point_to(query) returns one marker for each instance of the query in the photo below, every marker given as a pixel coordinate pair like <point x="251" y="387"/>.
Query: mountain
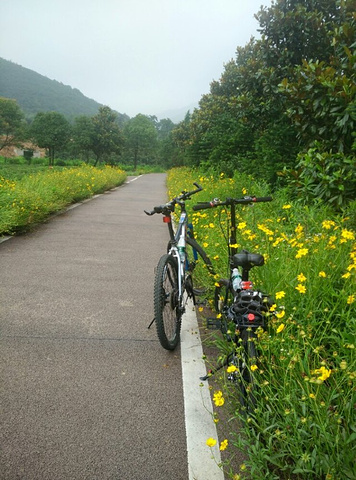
<point x="36" y="93"/>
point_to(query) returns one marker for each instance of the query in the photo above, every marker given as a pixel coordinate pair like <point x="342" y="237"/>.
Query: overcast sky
<point x="136" y="56"/>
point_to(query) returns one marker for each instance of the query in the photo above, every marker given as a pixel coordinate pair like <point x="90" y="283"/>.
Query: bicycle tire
<point x="247" y="382"/>
<point x="168" y="312"/>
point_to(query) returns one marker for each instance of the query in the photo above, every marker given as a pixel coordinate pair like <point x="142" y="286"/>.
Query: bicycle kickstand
<point x="212" y="372"/>
<point x="150" y="325"/>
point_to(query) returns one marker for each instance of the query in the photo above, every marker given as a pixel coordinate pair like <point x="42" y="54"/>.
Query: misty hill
<point x="37" y="93"/>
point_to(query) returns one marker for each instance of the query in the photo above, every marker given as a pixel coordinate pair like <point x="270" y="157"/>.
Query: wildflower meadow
<point x="304" y="424"/>
<point x="30" y="199"/>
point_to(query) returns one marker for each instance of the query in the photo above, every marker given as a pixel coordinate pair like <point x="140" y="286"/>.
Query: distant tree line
<point x="283" y="110"/>
<point x="98" y="138"/>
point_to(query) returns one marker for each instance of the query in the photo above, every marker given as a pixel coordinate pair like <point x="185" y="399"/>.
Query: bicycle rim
<point x="166" y="303"/>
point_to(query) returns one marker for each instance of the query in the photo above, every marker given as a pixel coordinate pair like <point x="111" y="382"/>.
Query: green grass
<point x="304" y="424"/>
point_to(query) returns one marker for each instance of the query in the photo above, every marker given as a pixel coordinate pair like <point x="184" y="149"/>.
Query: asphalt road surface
<point x="87" y="392"/>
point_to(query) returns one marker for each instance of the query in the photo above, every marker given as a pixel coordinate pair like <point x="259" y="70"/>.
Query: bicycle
<point x="241" y="308"/>
<point x="173" y="284"/>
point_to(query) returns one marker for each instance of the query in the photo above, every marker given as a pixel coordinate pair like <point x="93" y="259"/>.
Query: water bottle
<point x="236" y="280"/>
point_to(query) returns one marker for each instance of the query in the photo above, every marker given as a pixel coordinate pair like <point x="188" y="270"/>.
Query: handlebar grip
<point x="262" y="199"/>
<point x="203" y="206"/>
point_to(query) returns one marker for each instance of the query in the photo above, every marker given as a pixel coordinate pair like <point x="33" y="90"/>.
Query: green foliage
<point x="50" y="130"/>
<point x="141" y="138"/>
<point x="294" y="86"/>
<point x="12" y="125"/>
<point x="304" y="425"/>
<point x="323" y="177"/>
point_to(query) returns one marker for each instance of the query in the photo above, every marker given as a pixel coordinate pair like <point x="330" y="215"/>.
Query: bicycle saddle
<point x="248" y="260"/>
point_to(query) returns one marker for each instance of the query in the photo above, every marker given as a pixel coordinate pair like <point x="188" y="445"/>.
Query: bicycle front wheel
<point x="167" y="308"/>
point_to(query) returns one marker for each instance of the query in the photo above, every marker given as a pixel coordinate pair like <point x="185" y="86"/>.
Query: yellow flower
<point x="350" y="299"/>
<point x="231" y="369"/>
<point x="311" y="395"/>
<point x="301" y="278"/>
<point x="322" y="274"/>
<point x="280" y="314"/>
<point x="224" y="444"/>
<point x="211" y="225"/>
<point x="254" y="367"/>
<point x="241" y="225"/>
<point x="286" y="207"/>
<point x="327" y="224"/>
<point x="323" y="372"/>
<point x="205" y="244"/>
<point x="244" y="191"/>
<point x="218" y="399"/>
<point x="299" y="229"/>
<point x="343" y="365"/>
<point x="280" y="328"/>
<point x="301" y="288"/>
<point x="347" y="234"/>
<point x="302" y="252"/>
<point x="211" y="442"/>
<point x="280" y="294"/>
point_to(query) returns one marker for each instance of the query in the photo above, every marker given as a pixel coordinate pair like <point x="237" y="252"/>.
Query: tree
<point x="12" y="124"/>
<point x="83" y="134"/>
<point x="106" y="137"/>
<point x="141" y="138"/>
<point x="50" y="130"/>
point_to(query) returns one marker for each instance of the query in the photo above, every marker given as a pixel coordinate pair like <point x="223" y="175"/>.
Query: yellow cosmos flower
<point x="280" y="314"/>
<point x="254" y="367"/>
<point x="347" y="234"/>
<point x="327" y="224"/>
<point x="218" y="399"/>
<point x="350" y="299"/>
<point x="322" y="274"/>
<point x="231" y="369"/>
<point x="280" y="328"/>
<point x="323" y="372"/>
<point x="224" y="444"/>
<point x="311" y="395"/>
<point x="302" y="252"/>
<point x="286" y="207"/>
<point x="280" y="294"/>
<point x="301" y="278"/>
<point x="211" y="442"/>
<point x="241" y="225"/>
<point x="301" y="288"/>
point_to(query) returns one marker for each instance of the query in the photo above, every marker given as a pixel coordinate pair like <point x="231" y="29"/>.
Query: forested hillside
<point x="35" y="93"/>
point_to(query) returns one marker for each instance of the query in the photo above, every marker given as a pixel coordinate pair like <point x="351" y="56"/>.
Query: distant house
<point x="12" y="151"/>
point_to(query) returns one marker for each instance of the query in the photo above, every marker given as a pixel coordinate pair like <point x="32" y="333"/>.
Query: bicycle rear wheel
<point x="247" y="383"/>
<point x="167" y="309"/>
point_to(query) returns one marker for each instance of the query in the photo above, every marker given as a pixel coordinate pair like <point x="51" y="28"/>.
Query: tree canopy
<point x="12" y="124"/>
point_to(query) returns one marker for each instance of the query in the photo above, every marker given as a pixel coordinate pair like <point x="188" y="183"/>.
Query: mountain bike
<point x="242" y="309"/>
<point x="173" y="284"/>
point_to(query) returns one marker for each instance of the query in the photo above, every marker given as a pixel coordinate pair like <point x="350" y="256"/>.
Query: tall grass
<point x="304" y="425"/>
<point x="32" y="198"/>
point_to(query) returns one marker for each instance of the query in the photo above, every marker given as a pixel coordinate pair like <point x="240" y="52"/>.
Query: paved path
<point x="87" y="391"/>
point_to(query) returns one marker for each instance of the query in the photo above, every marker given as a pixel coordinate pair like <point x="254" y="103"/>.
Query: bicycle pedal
<point x="199" y="291"/>
<point x="213" y="323"/>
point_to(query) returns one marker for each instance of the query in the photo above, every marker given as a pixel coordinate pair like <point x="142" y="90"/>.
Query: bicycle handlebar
<point x="169" y="206"/>
<point x="231" y="201"/>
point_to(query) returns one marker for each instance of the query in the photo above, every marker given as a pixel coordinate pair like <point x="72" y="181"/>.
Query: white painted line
<point x="4" y="238"/>
<point x="133" y="179"/>
<point x="199" y="424"/>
